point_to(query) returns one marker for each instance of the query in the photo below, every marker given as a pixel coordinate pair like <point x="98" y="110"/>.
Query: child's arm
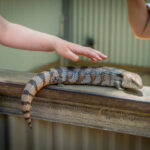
<point x="20" y="37"/>
<point x="139" y="18"/>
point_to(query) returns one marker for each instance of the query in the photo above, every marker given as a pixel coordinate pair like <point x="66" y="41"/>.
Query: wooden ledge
<point x="90" y="106"/>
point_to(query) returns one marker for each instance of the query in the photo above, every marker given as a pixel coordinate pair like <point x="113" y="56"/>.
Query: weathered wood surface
<point x="96" y="107"/>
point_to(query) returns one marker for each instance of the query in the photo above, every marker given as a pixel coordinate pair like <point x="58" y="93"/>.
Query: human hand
<point x="20" y="37"/>
<point x="72" y="51"/>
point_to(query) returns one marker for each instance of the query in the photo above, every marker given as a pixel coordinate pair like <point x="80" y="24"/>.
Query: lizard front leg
<point x="117" y="85"/>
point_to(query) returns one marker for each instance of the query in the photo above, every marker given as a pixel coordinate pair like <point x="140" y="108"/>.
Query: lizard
<point x="98" y="76"/>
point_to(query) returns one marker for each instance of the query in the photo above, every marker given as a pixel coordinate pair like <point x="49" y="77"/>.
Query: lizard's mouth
<point x="131" y="85"/>
<point x="139" y="84"/>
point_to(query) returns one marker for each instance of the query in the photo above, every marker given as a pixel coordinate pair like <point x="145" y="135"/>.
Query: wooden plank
<point x="95" y="107"/>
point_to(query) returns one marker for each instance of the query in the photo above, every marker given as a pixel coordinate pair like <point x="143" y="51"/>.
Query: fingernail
<point x="100" y="58"/>
<point x="76" y="58"/>
<point x="94" y="59"/>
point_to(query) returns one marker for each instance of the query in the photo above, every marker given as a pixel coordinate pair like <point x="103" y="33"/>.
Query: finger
<point x="93" y="59"/>
<point x="101" y="54"/>
<point x="70" y="55"/>
<point x="86" y="51"/>
<point x="93" y="55"/>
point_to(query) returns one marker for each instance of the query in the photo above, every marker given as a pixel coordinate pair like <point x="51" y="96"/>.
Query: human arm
<point x="20" y="37"/>
<point x="139" y="18"/>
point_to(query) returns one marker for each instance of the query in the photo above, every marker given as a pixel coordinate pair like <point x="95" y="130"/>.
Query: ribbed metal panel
<point x="15" y="135"/>
<point x="107" y="23"/>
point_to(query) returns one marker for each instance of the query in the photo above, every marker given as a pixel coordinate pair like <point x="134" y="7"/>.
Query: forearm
<point x="138" y="15"/>
<point x="18" y="36"/>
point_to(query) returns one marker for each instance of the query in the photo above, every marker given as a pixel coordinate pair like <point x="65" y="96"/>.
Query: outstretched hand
<point x="20" y="37"/>
<point x="72" y="51"/>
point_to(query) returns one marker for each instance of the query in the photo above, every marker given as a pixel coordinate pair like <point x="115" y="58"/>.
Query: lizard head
<point x="131" y="81"/>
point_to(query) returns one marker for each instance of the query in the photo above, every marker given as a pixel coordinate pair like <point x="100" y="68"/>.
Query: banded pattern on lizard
<point x="102" y="76"/>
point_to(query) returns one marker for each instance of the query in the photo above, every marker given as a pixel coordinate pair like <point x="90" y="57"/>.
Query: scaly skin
<point x="102" y="76"/>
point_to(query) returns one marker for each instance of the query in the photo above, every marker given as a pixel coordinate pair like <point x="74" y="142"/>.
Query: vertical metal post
<point x="66" y="14"/>
<point x="66" y="25"/>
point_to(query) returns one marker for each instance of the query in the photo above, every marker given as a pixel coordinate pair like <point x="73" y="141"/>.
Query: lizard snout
<point x="132" y="81"/>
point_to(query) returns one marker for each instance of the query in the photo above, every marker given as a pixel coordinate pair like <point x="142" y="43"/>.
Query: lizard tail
<point x="32" y="87"/>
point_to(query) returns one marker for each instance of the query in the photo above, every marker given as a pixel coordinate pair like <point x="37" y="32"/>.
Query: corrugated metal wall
<point x="106" y="22"/>
<point x="54" y="136"/>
